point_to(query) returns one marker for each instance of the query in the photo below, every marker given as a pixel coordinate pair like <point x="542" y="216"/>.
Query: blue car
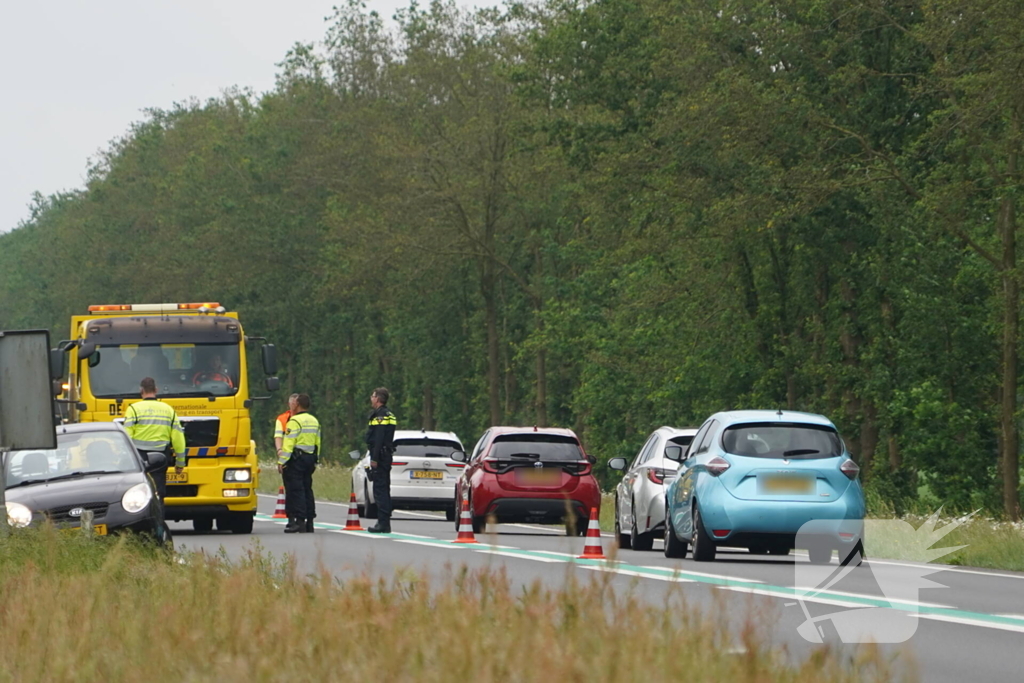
<point x="755" y="478"/>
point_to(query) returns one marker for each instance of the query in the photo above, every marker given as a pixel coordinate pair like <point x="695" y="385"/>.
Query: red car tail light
<point x="395" y="463"/>
<point x="850" y="469"/>
<point x="717" y="465"/>
<point x="488" y="466"/>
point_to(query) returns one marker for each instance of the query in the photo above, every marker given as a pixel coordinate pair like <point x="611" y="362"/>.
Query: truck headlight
<point x="238" y="475"/>
<point x="136" y="498"/>
<point x="18" y="515"/>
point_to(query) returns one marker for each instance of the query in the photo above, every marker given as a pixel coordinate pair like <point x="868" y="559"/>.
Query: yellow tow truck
<point x="196" y="352"/>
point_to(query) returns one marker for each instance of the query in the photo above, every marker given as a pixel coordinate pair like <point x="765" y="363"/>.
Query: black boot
<point x="293" y="526"/>
<point x="380" y="528"/>
<point x="309" y="525"/>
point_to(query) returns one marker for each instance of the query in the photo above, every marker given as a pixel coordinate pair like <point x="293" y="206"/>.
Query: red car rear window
<point x="533" y="447"/>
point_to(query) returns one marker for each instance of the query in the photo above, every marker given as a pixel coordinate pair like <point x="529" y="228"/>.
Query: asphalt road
<point x="967" y="625"/>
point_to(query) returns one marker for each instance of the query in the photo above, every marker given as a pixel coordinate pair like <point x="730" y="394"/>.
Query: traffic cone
<point x="279" y="512"/>
<point x="465" y="524"/>
<point x="592" y="548"/>
<point x="352" y="523"/>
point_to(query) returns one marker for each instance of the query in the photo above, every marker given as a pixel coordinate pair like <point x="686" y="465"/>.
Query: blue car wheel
<point x="703" y="548"/>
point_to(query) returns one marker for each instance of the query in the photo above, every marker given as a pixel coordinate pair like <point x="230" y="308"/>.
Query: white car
<point x="423" y="475"/>
<point x="640" y="496"/>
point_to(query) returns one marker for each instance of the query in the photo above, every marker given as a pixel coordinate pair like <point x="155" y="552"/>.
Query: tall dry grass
<point x="112" y="610"/>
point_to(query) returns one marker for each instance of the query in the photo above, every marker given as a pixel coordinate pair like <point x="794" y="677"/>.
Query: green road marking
<point x="1005" y="622"/>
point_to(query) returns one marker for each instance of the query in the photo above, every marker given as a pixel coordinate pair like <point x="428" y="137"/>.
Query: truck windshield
<point x="178" y="369"/>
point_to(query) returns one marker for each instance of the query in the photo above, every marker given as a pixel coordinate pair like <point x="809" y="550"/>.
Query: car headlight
<point x="18" y="515"/>
<point x="238" y="475"/>
<point x="136" y="498"/>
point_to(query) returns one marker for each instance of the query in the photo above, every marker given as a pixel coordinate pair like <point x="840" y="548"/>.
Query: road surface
<point x="972" y="628"/>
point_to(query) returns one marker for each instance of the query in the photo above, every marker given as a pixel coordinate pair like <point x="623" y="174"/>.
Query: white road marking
<point x="519" y="556"/>
<point x="917" y="603"/>
<point x="710" y="576"/>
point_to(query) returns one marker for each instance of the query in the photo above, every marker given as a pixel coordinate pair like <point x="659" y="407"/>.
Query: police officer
<point x="154" y="426"/>
<point x="380" y="436"/>
<point x="296" y="461"/>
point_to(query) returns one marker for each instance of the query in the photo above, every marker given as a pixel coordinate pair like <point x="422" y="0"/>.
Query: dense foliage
<point x="607" y="215"/>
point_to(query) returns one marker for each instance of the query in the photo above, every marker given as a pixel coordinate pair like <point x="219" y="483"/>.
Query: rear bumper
<point x="437" y="494"/>
<point x="747" y="520"/>
<point x="534" y="510"/>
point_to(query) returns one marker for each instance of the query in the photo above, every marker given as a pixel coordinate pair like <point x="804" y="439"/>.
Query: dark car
<point x="526" y="474"/>
<point x="94" y="477"/>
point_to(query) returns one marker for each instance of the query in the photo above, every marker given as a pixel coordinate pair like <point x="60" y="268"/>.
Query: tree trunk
<point x="428" y="407"/>
<point x="542" y="388"/>
<point x="895" y="457"/>
<point x="1011" y="322"/>
<point x="487" y="280"/>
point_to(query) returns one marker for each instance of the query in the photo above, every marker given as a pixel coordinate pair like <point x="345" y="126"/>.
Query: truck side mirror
<point x="269" y="352"/>
<point x="56" y="364"/>
<point x="272" y="383"/>
<point x="86" y="349"/>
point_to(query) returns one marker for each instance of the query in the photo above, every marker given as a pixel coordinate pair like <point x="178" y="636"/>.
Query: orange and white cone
<point x="279" y="511"/>
<point x="465" y="524"/>
<point x="352" y="523"/>
<point x="592" y="548"/>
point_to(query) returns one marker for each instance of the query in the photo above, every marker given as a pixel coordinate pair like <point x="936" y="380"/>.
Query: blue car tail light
<point x="717" y="465"/>
<point x="850" y="469"/>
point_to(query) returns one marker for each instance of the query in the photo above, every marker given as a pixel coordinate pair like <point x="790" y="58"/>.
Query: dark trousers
<point x="160" y="479"/>
<point x="298" y="485"/>
<point x="382" y="493"/>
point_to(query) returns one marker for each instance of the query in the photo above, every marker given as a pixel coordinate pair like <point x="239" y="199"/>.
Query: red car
<point x="526" y="474"/>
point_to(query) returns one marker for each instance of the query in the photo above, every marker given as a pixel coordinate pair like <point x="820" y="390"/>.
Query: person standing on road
<point x="281" y="423"/>
<point x="380" y="436"/>
<point x="154" y="426"/>
<point x="296" y="461"/>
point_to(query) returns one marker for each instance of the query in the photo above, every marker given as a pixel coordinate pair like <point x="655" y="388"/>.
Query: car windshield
<point x="76" y="454"/>
<point x="425" y="448"/>
<point x="782" y="440"/>
<point x="535" y="447"/>
<point x="179" y="369"/>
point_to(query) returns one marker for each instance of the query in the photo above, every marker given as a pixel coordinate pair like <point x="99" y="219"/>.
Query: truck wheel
<point x="203" y="525"/>
<point x="241" y="522"/>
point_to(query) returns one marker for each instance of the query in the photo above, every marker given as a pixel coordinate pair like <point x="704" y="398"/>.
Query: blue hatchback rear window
<point x="793" y="441"/>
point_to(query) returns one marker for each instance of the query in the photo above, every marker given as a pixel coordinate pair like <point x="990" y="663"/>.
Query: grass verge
<point x="113" y="610"/>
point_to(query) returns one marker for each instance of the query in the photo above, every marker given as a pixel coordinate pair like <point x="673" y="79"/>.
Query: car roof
<point x="89" y="427"/>
<point x="559" y="431"/>
<point x="425" y="434"/>
<point x="734" y="417"/>
<point x="672" y="432"/>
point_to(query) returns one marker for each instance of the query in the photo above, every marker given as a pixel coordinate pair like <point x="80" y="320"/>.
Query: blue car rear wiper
<point x="801" y="451"/>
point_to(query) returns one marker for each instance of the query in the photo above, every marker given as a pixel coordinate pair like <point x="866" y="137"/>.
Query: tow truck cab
<point x="196" y="353"/>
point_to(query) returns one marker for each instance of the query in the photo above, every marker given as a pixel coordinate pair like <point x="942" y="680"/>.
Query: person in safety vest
<point x="281" y="423"/>
<point x="154" y="426"/>
<point x="296" y="461"/>
<point x="380" y="437"/>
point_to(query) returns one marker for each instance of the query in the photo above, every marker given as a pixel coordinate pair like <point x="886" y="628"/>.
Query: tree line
<point x="607" y="215"/>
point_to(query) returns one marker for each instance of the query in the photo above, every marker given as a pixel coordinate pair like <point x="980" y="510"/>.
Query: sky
<point x="74" y="74"/>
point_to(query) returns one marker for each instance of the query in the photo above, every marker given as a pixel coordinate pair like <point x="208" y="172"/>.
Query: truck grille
<point x="182" y="491"/>
<point x="60" y="514"/>
<point x="201" y="432"/>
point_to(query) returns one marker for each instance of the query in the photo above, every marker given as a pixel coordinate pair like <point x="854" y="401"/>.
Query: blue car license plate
<point x="781" y="484"/>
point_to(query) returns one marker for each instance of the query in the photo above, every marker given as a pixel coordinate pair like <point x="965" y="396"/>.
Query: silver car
<point x="640" y="495"/>
<point x="423" y="475"/>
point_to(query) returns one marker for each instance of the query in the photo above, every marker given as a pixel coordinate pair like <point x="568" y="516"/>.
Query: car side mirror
<point x="272" y="383"/>
<point x="617" y="464"/>
<point x="458" y="456"/>
<point x="355" y="455"/>
<point x="155" y="460"/>
<point x="674" y="453"/>
<point x="269" y="352"/>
